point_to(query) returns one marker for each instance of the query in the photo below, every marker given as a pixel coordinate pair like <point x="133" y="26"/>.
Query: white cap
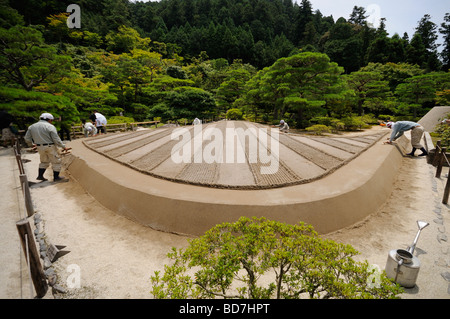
<point x="282" y="122"/>
<point x="46" y="116"/>
<point x="389" y="124"/>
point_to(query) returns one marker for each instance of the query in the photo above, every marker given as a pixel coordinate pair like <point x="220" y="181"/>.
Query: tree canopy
<point x="175" y="59"/>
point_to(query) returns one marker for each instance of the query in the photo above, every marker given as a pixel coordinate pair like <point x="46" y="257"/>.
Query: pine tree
<point x="345" y="46"/>
<point x="358" y="16"/>
<point x="300" y="84"/>
<point x="416" y="53"/>
<point x="414" y="92"/>
<point x="303" y="17"/>
<point x="445" y="31"/>
<point x="427" y="30"/>
<point x="25" y="58"/>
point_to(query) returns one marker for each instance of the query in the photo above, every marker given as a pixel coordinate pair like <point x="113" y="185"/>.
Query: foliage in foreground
<point x="259" y="258"/>
<point x="442" y="133"/>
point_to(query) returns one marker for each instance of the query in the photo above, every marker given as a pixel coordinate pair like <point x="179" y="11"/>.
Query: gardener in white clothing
<point x="43" y="134"/>
<point x="100" y="122"/>
<point x="284" y="127"/>
<point x="89" y="128"/>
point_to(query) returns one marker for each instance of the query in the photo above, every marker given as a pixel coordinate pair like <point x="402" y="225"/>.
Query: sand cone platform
<point x="329" y="182"/>
<point x="299" y="159"/>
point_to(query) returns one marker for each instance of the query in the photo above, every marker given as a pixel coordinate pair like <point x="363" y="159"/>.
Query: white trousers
<point x="49" y="155"/>
<point x="416" y="137"/>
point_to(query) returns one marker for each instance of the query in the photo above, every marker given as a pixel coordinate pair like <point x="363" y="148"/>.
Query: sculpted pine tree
<point x="259" y="258"/>
<point x="26" y="60"/>
<point x="370" y="91"/>
<point x="414" y="92"/>
<point x="300" y="84"/>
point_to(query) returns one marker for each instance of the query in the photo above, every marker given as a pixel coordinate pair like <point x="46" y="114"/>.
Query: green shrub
<point x="184" y="121"/>
<point x="353" y="123"/>
<point x="332" y="123"/>
<point x="386" y="118"/>
<point x="337" y="125"/>
<point x="234" y="114"/>
<point x="120" y="120"/>
<point x="442" y="133"/>
<point x="324" y="120"/>
<point x="230" y="259"/>
<point x="369" y="119"/>
<point x="319" y="129"/>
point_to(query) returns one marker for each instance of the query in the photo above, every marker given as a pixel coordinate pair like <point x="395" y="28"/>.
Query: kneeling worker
<point x="43" y="134"/>
<point x="284" y="127"/>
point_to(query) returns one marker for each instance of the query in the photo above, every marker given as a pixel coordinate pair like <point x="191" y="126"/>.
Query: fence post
<point x="17" y="145"/>
<point x="26" y="194"/>
<point x="441" y="162"/>
<point x="19" y="159"/>
<point x="436" y="153"/>
<point x="32" y="257"/>
<point x="446" y="191"/>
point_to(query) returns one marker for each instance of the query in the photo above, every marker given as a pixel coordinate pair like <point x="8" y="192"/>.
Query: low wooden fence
<point x="32" y="257"/>
<point x="135" y="125"/>
<point x="77" y="130"/>
<point x="440" y="160"/>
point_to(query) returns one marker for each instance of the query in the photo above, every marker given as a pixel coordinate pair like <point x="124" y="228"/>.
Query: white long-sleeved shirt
<point x="283" y="127"/>
<point x="43" y="132"/>
<point x="89" y="127"/>
<point x="398" y="128"/>
<point x="100" y="120"/>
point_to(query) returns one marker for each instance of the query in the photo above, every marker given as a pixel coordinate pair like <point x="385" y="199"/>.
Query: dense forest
<point x="261" y="60"/>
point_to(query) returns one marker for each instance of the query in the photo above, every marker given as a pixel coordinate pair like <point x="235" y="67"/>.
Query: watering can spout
<point x="421" y="224"/>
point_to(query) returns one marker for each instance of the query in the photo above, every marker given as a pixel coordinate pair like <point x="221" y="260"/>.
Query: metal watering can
<point x="401" y="265"/>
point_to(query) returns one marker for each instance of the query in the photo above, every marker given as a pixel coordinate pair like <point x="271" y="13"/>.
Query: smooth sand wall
<point x="338" y="200"/>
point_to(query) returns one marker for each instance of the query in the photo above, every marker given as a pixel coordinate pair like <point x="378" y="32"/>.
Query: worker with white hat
<point x="417" y="131"/>
<point x="89" y="128"/>
<point x="284" y="127"/>
<point x="44" y="136"/>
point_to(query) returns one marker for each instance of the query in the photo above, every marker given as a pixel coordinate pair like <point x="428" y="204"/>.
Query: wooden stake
<point x="37" y="273"/>
<point x="446" y="191"/>
<point x="20" y="164"/>
<point x="26" y="194"/>
<point x="441" y="162"/>
<point x="436" y="153"/>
